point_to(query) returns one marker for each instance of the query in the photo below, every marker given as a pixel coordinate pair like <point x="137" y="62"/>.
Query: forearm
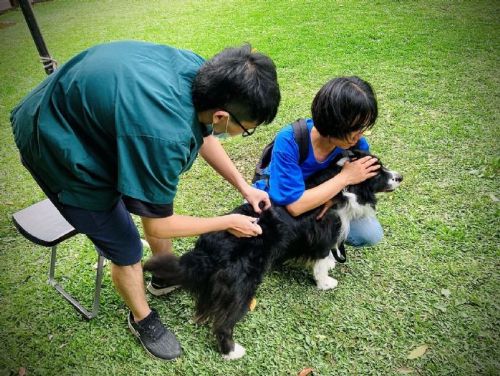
<point x="182" y="226"/>
<point x="215" y="155"/>
<point x="314" y="197"/>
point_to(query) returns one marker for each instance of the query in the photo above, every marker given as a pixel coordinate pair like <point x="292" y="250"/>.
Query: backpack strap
<point x="263" y="162"/>
<point x="301" y="135"/>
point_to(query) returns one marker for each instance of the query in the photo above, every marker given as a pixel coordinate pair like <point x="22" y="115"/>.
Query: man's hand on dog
<point x="255" y="197"/>
<point x="243" y="226"/>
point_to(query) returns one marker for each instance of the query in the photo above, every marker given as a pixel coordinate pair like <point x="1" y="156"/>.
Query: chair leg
<point x="98" y="282"/>
<point x="75" y="303"/>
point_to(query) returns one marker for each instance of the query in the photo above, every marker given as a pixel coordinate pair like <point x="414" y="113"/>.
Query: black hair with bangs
<point x="344" y="105"/>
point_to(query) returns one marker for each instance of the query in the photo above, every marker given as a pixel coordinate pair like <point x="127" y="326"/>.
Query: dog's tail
<point x="191" y="271"/>
<point x="221" y="295"/>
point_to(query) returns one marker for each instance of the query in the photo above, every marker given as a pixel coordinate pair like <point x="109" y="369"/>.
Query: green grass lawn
<point x="434" y="280"/>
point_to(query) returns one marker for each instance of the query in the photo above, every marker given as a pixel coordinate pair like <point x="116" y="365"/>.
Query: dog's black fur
<point x="223" y="272"/>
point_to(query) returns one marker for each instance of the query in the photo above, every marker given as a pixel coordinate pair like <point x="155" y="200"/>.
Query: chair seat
<point x="43" y="224"/>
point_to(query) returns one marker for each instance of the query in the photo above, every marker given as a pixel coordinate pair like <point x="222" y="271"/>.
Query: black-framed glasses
<point x="246" y="132"/>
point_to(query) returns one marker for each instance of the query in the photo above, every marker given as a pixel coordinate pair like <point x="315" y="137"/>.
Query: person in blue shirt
<point x="342" y="110"/>
<point x="111" y="131"/>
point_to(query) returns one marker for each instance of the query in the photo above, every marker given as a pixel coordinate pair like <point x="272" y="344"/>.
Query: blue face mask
<point x="221" y="135"/>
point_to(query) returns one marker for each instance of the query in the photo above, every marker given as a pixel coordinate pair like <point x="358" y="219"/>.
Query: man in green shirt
<point x="110" y="132"/>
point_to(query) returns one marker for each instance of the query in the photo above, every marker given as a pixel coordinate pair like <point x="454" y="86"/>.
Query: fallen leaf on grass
<point x="305" y="372"/>
<point x="252" y="304"/>
<point x="418" y="352"/>
<point x="22" y="371"/>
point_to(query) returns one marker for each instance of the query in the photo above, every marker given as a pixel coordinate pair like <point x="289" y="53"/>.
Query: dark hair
<point x="344" y="105"/>
<point x="240" y="81"/>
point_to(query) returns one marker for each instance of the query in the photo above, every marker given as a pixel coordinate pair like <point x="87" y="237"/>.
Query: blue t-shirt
<point x="286" y="182"/>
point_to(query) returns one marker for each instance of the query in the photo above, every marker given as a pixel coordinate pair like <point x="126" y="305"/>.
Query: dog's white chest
<point x="352" y="210"/>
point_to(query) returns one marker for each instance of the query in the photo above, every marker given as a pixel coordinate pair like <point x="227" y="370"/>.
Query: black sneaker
<point x="157" y="340"/>
<point x="158" y="287"/>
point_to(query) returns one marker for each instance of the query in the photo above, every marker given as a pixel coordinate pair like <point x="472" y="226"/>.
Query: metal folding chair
<point x="42" y="224"/>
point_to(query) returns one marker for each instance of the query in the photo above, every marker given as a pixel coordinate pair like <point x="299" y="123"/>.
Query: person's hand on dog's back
<point x="258" y="199"/>
<point x="359" y="170"/>
<point x="243" y="226"/>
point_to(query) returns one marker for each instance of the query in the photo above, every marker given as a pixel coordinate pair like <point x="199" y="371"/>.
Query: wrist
<point x="243" y="187"/>
<point x="227" y="221"/>
<point x="344" y="179"/>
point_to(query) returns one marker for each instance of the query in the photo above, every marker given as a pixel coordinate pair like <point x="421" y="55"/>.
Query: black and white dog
<point x="223" y="272"/>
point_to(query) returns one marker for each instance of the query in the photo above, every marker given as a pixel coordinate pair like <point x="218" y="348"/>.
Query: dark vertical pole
<point x="48" y="63"/>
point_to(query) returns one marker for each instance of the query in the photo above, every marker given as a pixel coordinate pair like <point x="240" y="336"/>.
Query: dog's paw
<point x="237" y="352"/>
<point x="327" y="283"/>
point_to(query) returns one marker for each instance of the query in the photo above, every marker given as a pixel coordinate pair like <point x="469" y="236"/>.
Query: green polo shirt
<point x="116" y="119"/>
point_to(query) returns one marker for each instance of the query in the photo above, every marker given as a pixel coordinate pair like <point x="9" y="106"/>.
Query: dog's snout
<point x="394" y="181"/>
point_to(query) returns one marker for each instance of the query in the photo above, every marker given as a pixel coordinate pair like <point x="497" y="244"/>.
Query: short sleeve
<point x="286" y="182"/>
<point x="362" y="145"/>
<point x="149" y="168"/>
<point x="145" y="209"/>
